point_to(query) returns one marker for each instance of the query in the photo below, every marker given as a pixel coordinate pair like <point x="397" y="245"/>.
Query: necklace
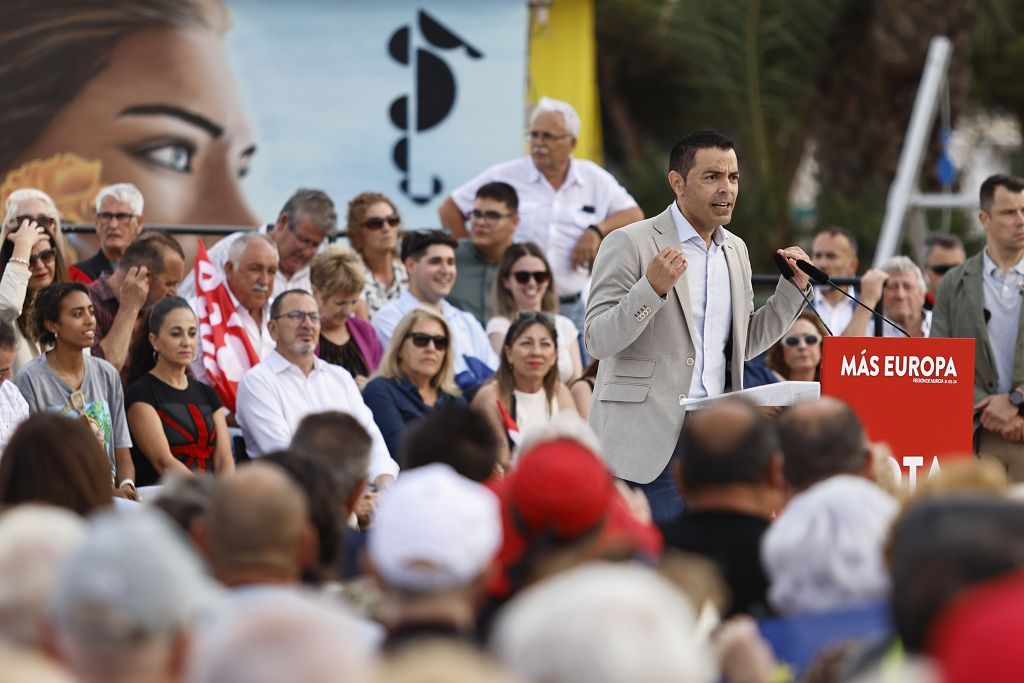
<point x="63" y="374"/>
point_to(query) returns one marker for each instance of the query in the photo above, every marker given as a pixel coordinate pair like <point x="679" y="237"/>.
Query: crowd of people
<point x="459" y="453"/>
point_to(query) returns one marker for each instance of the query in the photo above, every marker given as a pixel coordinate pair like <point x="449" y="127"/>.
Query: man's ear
<point x="282" y="224"/>
<point x="677" y="182"/>
<point x="776" y="478"/>
<point x="308" y="549"/>
<point x="229" y="269"/>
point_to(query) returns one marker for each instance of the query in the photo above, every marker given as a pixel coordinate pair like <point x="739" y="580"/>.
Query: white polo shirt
<point x="555" y="219"/>
<point x="274" y="396"/>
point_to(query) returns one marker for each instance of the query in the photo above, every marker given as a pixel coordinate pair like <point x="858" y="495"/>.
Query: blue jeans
<point x="663" y="496"/>
<point x="576" y="312"/>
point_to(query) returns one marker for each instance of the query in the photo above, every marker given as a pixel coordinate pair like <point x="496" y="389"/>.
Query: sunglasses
<point x="46" y="256"/>
<point x="42" y="219"/>
<point x="523" y="276"/>
<point x="107" y="216"/>
<point x="420" y="340"/>
<point x="299" y="316"/>
<point x="535" y="315"/>
<point x="394" y="220"/>
<point x="794" y="340"/>
<point x="943" y="268"/>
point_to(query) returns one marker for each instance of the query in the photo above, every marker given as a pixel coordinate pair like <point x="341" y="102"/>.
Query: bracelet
<point x="600" y="235"/>
<point x="127" y="482"/>
<point x="24" y="262"/>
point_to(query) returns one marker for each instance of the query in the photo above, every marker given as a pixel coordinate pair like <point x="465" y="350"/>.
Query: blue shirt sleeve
<point x="382" y="396"/>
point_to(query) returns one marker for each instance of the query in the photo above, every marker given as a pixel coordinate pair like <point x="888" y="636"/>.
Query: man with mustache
<point x="566" y="205"/>
<point x="249" y="273"/>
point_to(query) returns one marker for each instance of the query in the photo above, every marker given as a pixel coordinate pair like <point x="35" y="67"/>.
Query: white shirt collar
<point x="992" y="269"/>
<point x="279" y="364"/>
<point x="572" y="178"/>
<point x="687" y="231"/>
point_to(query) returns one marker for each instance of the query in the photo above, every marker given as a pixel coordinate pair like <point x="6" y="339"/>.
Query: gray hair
<point x="16" y="198"/>
<point x="35" y="540"/>
<point x="313" y="205"/>
<point x="270" y="636"/>
<point x="122" y="192"/>
<point x="602" y="623"/>
<point x="572" y="119"/>
<point x="238" y="246"/>
<point x="902" y="264"/>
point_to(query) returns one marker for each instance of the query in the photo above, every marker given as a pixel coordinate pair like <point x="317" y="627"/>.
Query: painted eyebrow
<point x="198" y="120"/>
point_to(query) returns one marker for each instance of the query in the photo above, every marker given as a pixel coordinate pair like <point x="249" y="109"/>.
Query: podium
<point x="917" y="395"/>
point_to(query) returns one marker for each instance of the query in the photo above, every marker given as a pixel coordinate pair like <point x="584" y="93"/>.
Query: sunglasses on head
<point x="42" y="219"/>
<point x="376" y="223"/>
<point x="942" y="268"/>
<point x="420" y="340"/>
<point x="534" y="315"/>
<point x="539" y="276"/>
<point x="809" y="339"/>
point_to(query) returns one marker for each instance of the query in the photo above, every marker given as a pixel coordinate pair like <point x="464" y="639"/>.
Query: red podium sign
<point x="915" y="394"/>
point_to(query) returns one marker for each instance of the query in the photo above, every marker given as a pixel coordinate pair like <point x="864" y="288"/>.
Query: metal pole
<point x="912" y="155"/>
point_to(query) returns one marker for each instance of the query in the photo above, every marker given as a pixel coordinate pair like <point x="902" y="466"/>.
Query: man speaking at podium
<point x="671" y="316"/>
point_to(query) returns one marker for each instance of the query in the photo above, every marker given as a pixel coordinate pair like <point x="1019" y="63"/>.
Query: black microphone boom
<point x="821" y="278"/>
<point x="783" y="265"/>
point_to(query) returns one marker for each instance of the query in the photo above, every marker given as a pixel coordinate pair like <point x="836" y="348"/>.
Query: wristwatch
<point x="1017" y="401"/>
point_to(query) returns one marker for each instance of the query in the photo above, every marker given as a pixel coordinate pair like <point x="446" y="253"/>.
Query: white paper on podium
<point x="778" y="394"/>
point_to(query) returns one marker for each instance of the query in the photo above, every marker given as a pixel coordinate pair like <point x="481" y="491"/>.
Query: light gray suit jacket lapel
<point x="666" y="236"/>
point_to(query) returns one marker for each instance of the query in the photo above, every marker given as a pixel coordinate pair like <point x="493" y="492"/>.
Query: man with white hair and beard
<point x="125" y="604"/>
<point x="249" y="275"/>
<point x="292" y="382"/>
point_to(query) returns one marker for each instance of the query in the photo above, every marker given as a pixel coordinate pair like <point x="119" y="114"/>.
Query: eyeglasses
<point x="545" y="136"/>
<point x="420" y="340"/>
<point x="42" y="219"/>
<point x="304" y="242"/>
<point x="376" y="223"/>
<point x="46" y="256"/>
<point x="539" y="276"/>
<point x="299" y="316"/>
<point x="107" y="216"/>
<point x="942" y="268"/>
<point x="794" y="340"/>
<point x="489" y="216"/>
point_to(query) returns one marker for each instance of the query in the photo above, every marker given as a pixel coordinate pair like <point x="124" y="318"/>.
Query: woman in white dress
<point x="524" y="283"/>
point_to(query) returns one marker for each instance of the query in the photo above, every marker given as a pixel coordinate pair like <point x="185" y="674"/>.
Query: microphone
<point x="783" y="265"/>
<point x="820" y="277"/>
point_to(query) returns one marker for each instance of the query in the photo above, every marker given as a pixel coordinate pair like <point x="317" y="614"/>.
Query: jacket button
<point x="690" y="361"/>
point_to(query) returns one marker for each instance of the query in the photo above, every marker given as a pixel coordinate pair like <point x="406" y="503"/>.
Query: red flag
<point x="227" y="352"/>
<point x="511" y="428"/>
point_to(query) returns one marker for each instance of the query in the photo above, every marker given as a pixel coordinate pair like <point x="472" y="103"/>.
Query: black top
<point x="187" y="418"/>
<point x="96" y="265"/>
<point x="733" y="541"/>
<point x="347" y="355"/>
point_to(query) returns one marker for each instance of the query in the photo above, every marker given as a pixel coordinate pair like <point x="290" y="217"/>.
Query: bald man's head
<point x="257" y="527"/>
<point x="821" y="439"/>
<point x="728" y="443"/>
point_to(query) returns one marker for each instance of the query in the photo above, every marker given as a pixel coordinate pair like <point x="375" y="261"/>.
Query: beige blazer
<point x="645" y="343"/>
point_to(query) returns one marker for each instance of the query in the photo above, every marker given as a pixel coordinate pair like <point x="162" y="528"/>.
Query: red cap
<point x="978" y="637"/>
<point x="559" y="490"/>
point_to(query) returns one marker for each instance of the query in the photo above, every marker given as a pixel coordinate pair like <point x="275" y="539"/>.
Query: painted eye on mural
<point x="173" y="154"/>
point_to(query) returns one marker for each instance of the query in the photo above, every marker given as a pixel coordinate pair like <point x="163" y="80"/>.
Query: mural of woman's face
<point x="165" y="115"/>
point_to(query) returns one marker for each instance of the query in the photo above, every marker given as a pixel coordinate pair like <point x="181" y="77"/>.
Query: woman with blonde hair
<point x="32" y="256"/>
<point x="526" y="388"/>
<point x="415" y="377"/>
<point x="373" y="229"/>
<point x="524" y="283"/>
<point x="338" y="276"/>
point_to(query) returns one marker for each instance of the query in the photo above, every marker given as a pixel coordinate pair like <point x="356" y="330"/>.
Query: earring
<point x="156" y="355"/>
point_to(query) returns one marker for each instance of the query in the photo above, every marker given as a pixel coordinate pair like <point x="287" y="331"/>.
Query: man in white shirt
<point x="306" y="220"/>
<point x="834" y="251"/>
<point x="429" y="257"/>
<point x="292" y="382"/>
<point x="13" y="408"/>
<point x="566" y="205"/>
<point x="249" y="272"/>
